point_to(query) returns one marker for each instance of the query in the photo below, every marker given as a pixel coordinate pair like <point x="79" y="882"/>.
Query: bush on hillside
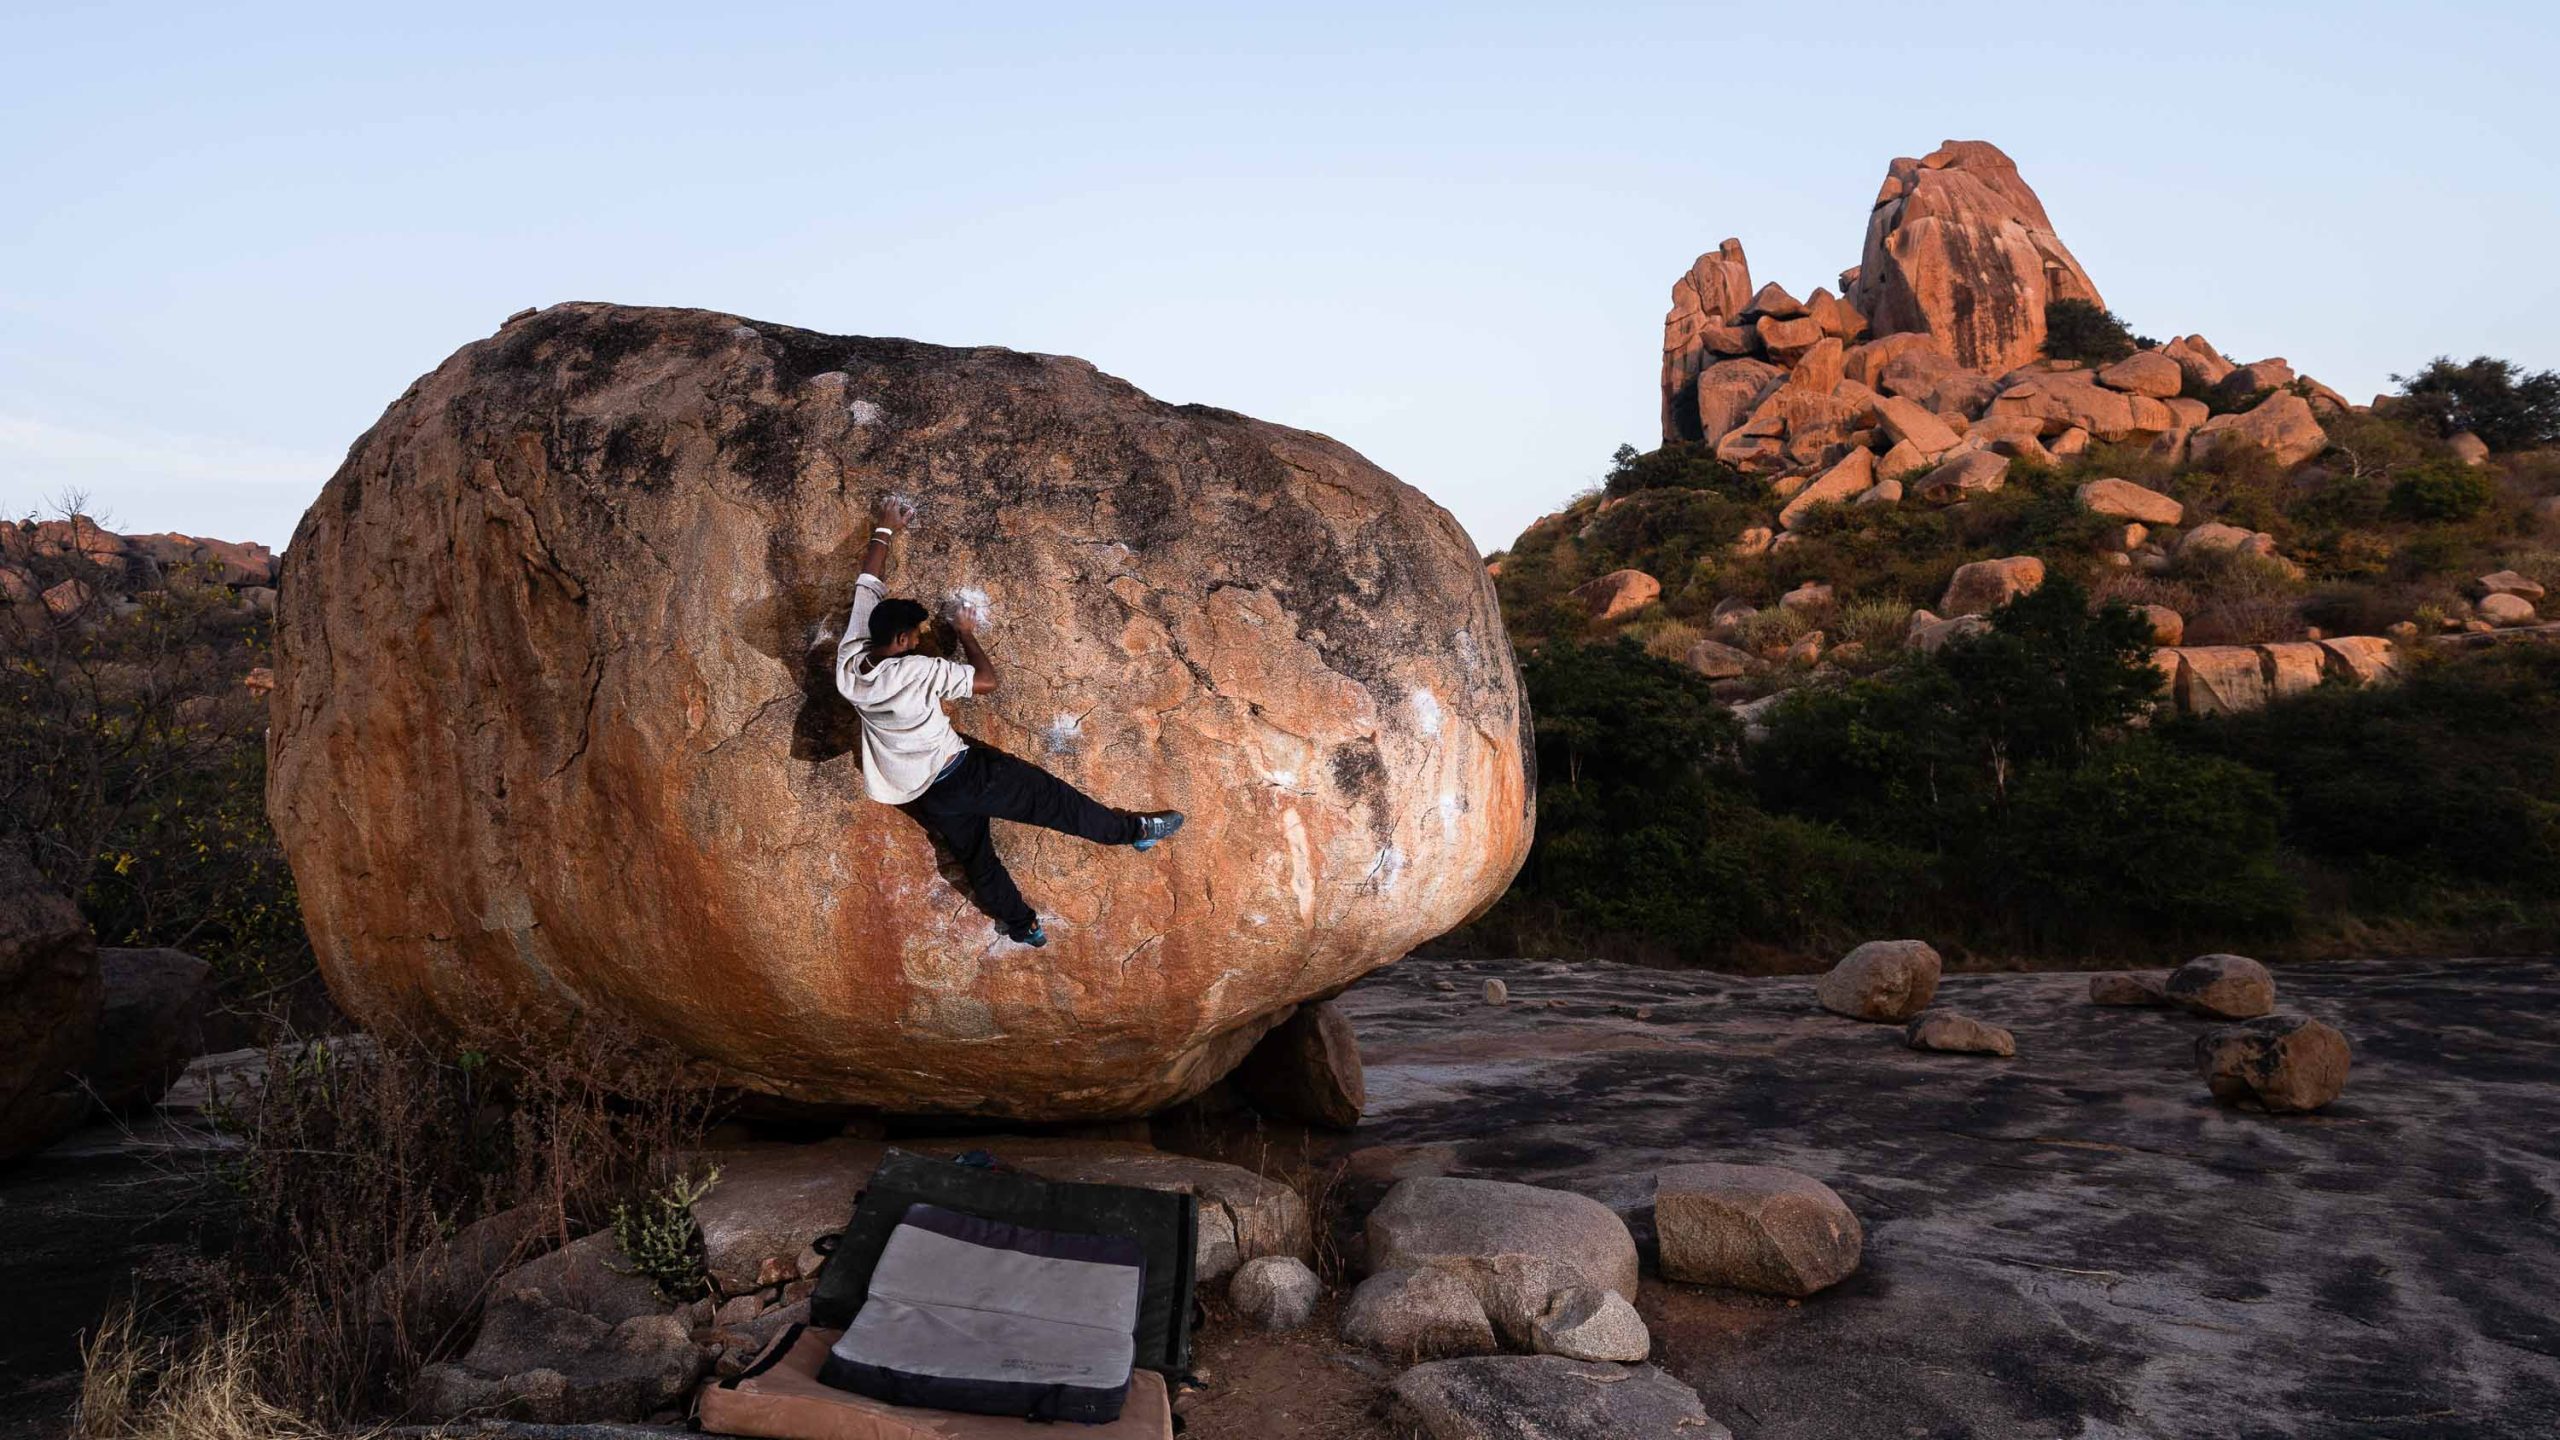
<point x="2508" y="407"/>
<point x="1678" y="465"/>
<point x="2441" y="490"/>
<point x="2091" y="334"/>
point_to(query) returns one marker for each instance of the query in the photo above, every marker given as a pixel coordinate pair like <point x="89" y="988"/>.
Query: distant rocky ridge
<point x="69" y="565"/>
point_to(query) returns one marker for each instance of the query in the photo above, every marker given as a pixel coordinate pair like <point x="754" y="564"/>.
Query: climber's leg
<point x="1021" y="791"/>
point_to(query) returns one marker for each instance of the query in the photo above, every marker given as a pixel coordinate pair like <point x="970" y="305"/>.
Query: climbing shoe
<point x="1154" y="826"/>
<point x="1031" y="935"/>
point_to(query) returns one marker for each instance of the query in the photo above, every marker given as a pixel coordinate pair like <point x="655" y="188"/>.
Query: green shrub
<point x="2079" y="330"/>
<point x="1678" y="465"/>
<point x="2441" y="490"/>
<point x="2507" y="407"/>
<point x="660" y="1239"/>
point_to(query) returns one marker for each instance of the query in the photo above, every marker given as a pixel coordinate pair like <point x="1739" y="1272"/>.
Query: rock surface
<point x="644" y="518"/>
<point x="1416" y="1314"/>
<point x="1887" y="981"/>
<point x="1276" y="1292"/>
<point x="1585" y="1322"/>
<point x="49" y="1022"/>
<point x="2284" y="1064"/>
<point x="1307" y="1069"/>
<point x="1512" y="1244"/>
<point x="1959" y="248"/>
<point x="1754" y="1227"/>
<point x="151" y="1023"/>
<point x="1548" y="1397"/>
<point x="2226" y="987"/>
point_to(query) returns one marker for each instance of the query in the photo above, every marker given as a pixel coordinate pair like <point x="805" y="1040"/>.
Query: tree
<point x="2091" y="334"/>
<point x="2507" y="407"/>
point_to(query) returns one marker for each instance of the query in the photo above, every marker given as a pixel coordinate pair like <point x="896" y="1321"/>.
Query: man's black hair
<point x="893" y="618"/>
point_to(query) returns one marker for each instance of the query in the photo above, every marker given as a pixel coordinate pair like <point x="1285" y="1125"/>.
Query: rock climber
<point x="913" y="759"/>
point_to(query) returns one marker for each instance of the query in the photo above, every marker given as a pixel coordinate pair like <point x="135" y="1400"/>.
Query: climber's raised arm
<point x="964" y="623"/>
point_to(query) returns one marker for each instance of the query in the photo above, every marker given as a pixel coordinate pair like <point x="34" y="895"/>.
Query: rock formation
<point x="49" y="974"/>
<point x="554" y="730"/>
<point x="1959" y="249"/>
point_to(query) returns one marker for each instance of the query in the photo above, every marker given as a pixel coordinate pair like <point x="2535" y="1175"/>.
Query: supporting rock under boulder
<point x="1307" y="1069"/>
<point x="1585" y="1322"/>
<point x="1276" y="1292"/>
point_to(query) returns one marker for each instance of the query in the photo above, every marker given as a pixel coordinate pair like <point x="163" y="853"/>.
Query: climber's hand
<point x="964" y="620"/>
<point x="893" y="512"/>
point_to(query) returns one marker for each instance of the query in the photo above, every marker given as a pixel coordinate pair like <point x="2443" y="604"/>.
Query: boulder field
<point x="555" y="732"/>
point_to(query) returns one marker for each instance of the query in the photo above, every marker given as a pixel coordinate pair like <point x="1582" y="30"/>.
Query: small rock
<point x="737" y="1310"/>
<point x="2504" y="609"/>
<point x="1417" y="1314"/>
<point x="1813" y="595"/>
<point x="1887" y="981"/>
<point x="1754" y="1227"/>
<point x="1496" y="993"/>
<point x="2130" y="987"/>
<point x="1957" y="1034"/>
<point x="1585" y="1322"/>
<point x="2226" y="987"/>
<point x="1547" y="1397"/>
<point x="1513" y="1244"/>
<point x="1446" y="987"/>
<point x="1617" y="594"/>
<point x="1276" y="1292"/>
<point x="2284" y="1064"/>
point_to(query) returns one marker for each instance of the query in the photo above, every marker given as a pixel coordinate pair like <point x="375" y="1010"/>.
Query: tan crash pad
<point x="779" y="1398"/>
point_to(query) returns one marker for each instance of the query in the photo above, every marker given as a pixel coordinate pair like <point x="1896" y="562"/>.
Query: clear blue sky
<point x="231" y="234"/>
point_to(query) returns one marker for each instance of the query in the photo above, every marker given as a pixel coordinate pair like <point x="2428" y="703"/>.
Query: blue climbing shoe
<point x="1031" y="935"/>
<point x="1154" y="827"/>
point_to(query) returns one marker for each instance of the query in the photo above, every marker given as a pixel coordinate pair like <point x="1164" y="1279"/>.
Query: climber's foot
<point x="1031" y="935"/>
<point x="1154" y="826"/>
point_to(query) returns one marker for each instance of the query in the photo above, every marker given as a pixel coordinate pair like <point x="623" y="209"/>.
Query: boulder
<point x="236" y="563"/>
<point x="773" y="1200"/>
<point x="1308" y="1069"/>
<point x="2214" y="535"/>
<point x="1883" y="492"/>
<point x="2226" y="987"/>
<point x="1788" y="340"/>
<point x="2255" y="377"/>
<point x="551" y="1364"/>
<point x="1812" y="595"/>
<point x="2168" y="627"/>
<point x="1818" y="369"/>
<point x="2468" y="448"/>
<point x="590" y="1276"/>
<point x="1584" y="1322"/>
<point x="1416" y="1314"/>
<point x="1729" y="392"/>
<point x="1618" y="594"/>
<point x="1512" y="1244"/>
<point x="1754" y="1227"/>
<point x="1901" y="462"/>
<point x="1932" y="636"/>
<point x="2124" y="500"/>
<point x="1958" y="247"/>
<point x="1986" y="585"/>
<point x="1773" y="301"/>
<point x="2508" y="582"/>
<point x="1546" y="1397"/>
<point x="2130" y="988"/>
<point x="2203" y="365"/>
<point x="443" y="1285"/>
<point x="1957" y="1034"/>
<point x="1970" y="473"/>
<point x="1716" y="661"/>
<point x="1496" y="993"/>
<point x="2075" y="400"/>
<point x="150" y="1024"/>
<point x="1754" y="540"/>
<point x="2220" y="680"/>
<point x="1868" y="362"/>
<point x="1276" y="1292"/>
<point x="1838" y="485"/>
<point x="2281" y="427"/>
<point x="1716" y="288"/>
<point x="2293" y="667"/>
<point x="1909" y="422"/>
<point x="2500" y="608"/>
<point x="643" y="516"/>
<point x="2145" y="372"/>
<point x="49" y="1023"/>
<point x="2365" y="659"/>
<point x="2284" y="1064"/>
<point x="1836" y="316"/>
<point x="1886" y="981"/>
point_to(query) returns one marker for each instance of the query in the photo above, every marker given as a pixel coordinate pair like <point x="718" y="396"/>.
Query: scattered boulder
<point x="2284" y="1064"/>
<point x="49" y="1024"/>
<point x="1618" y="594"/>
<point x="1906" y="422"/>
<point x="1934" y="635"/>
<point x="2197" y="358"/>
<point x="2468" y="448"/>
<point x="2145" y="372"/>
<point x="2227" y="987"/>
<point x="442" y="1286"/>
<point x="1773" y="301"/>
<point x="1547" y="1397"/>
<point x="1812" y="595"/>
<point x="1714" y="290"/>
<point x="151" y="1023"/>
<point x="2501" y="608"/>
<point x="1308" y="1068"/>
<point x="1883" y="492"/>
<point x="1957" y="1034"/>
<point x="1276" y="1292"/>
<point x="1512" y="1244"/>
<point x="2256" y="377"/>
<point x="2293" y="667"/>
<point x="1836" y="486"/>
<point x="2508" y="582"/>
<point x="2124" y="500"/>
<point x="2280" y="426"/>
<point x="2220" y="680"/>
<point x="1496" y="993"/>
<point x="2365" y="659"/>
<point x="1585" y="1322"/>
<point x="2168" y="627"/>
<point x="1716" y="660"/>
<point x="1958" y="247"/>
<point x="1412" y="1314"/>
<point x="1986" y="585"/>
<point x="1754" y="1227"/>
<point x="1729" y="391"/>
<point x="1886" y="981"/>
<point x="2130" y="988"/>
<point x="1971" y="473"/>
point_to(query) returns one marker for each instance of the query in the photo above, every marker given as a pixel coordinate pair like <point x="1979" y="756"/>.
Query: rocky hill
<point x="1849" y="473"/>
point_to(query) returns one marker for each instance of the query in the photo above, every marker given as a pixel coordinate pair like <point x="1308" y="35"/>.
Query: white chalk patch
<point x="1389" y="865"/>
<point x="1063" y="733"/>
<point x="1257" y="919"/>
<point x="970" y="602"/>
<point x="1284" y="778"/>
<point x="1451" y="807"/>
<point x="1465" y="640"/>
<point x="1426" y="712"/>
<point x="865" y="412"/>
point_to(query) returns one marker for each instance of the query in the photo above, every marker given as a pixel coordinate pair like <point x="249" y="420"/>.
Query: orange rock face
<point x="1960" y="249"/>
<point x="554" y="728"/>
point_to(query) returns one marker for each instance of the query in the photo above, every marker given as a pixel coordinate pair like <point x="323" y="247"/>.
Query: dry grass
<point x="1670" y="640"/>
<point x="209" y="1385"/>
<point x="1879" y="625"/>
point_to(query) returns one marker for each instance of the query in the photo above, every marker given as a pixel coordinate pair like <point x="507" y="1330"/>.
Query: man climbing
<point x="912" y="758"/>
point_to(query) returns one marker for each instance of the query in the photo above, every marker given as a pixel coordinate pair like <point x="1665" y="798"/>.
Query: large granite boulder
<point x="1960" y="249"/>
<point x="49" y="1018"/>
<point x="150" y="1024"/>
<point x="1704" y="304"/>
<point x="1886" y="981"/>
<point x="555" y="734"/>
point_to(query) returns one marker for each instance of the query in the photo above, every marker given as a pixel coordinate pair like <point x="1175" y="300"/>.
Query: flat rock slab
<point x="1548" y="1397"/>
<point x="2079" y="1241"/>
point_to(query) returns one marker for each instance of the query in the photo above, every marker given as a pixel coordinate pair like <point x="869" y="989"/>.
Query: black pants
<point x="988" y="784"/>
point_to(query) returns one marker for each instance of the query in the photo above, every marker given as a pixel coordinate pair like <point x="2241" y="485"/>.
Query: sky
<point x="1445" y="235"/>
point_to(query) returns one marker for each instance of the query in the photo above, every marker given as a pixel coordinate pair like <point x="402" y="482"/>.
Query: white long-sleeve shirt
<point x="906" y="739"/>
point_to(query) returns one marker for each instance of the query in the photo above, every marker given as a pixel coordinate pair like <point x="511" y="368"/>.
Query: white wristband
<point x="884" y="532"/>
